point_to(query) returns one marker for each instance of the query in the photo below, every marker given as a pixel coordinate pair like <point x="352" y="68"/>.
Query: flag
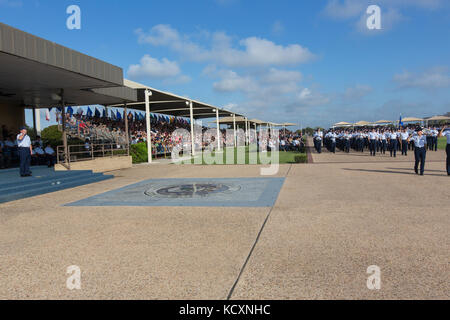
<point x="80" y="111"/>
<point x="70" y="111"/>
<point x="104" y="115"/>
<point x="400" y="122"/>
<point x="97" y="113"/>
<point x="89" y="112"/>
<point x="47" y="114"/>
<point x="118" y="115"/>
<point x="113" y="115"/>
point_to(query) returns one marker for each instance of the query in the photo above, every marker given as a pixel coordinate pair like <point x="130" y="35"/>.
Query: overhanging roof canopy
<point x="342" y="124"/>
<point x="257" y="121"/>
<point x="438" y="118"/>
<point x="171" y="104"/>
<point x="229" y="120"/>
<point x="34" y="70"/>
<point x="411" y="119"/>
<point x="382" y="122"/>
<point x="362" y="123"/>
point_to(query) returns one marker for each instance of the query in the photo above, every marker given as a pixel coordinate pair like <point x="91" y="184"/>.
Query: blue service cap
<point x="22" y="128"/>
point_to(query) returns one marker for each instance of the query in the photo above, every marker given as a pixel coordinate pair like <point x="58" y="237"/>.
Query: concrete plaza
<point x="333" y="218"/>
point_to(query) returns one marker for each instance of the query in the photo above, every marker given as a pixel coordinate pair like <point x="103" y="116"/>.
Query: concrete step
<point x="38" y="176"/>
<point x="48" y="188"/>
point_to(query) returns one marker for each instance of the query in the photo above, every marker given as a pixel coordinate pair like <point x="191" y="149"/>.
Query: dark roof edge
<point x="28" y="46"/>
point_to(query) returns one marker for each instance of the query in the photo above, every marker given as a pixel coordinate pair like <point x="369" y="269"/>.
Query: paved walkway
<point x="332" y="220"/>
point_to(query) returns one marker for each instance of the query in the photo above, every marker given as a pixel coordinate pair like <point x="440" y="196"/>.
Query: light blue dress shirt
<point x="25" y="142"/>
<point x="419" y="141"/>
<point x="447" y="134"/>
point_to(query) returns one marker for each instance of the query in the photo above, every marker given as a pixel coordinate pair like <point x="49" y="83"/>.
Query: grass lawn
<point x="442" y="143"/>
<point x="257" y="158"/>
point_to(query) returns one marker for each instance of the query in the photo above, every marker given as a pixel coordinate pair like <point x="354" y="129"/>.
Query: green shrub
<point x="139" y="152"/>
<point x="301" y="158"/>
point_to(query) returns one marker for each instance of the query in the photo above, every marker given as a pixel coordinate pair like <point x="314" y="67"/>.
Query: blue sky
<point x="310" y="62"/>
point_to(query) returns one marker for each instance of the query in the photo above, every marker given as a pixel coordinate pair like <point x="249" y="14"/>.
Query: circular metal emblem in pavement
<point x="190" y="190"/>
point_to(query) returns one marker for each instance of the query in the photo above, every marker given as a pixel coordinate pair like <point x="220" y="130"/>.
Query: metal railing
<point x="76" y="153"/>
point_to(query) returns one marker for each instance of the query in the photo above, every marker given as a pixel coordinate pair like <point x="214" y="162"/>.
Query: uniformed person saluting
<point x="420" y="151"/>
<point x="25" y="149"/>
<point x="446" y="133"/>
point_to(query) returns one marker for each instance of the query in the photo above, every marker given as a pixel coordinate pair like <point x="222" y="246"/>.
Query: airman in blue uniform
<point x="420" y="150"/>
<point x="25" y="150"/>
<point x="446" y="133"/>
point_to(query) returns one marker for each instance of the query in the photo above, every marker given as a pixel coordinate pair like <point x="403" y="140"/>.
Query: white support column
<point x="191" y="111"/>
<point x="246" y="132"/>
<point x="218" y="130"/>
<point x="148" y="93"/>
<point x="38" y="120"/>
<point x="234" y="130"/>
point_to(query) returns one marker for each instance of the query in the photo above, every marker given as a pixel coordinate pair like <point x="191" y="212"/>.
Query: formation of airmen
<point x="381" y="140"/>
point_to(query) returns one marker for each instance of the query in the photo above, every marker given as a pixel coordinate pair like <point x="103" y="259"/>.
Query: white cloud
<point x="311" y="97"/>
<point x="276" y="90"/>
<point x="250" y="52"/>
<point x="279" y="76"/>
<point x="435" y="78"/>
<point x="232" y="82"/>
<point x="161" y="35"/>
<point x="153" y="68"/>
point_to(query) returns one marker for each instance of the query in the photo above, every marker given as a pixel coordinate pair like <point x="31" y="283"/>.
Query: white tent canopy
<point x="438" y="118"/>
<point x="412" y="119"/>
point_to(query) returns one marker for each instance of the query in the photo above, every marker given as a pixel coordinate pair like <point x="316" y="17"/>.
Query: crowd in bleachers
<point x="107" y="130"/>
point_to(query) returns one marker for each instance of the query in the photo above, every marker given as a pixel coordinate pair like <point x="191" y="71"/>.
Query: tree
<point x="53" y="136"/>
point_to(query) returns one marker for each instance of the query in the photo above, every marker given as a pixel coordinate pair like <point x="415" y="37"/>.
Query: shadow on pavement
<point x="443" y="171"/>
<point x="395" y="172"/>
